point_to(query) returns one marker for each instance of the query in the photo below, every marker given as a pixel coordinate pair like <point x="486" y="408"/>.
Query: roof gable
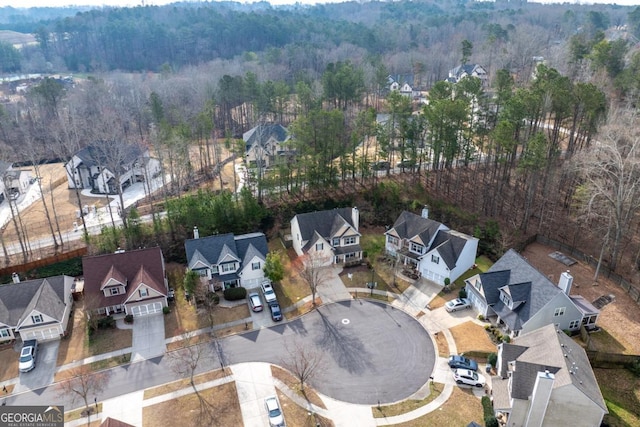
<point x="113" y="277"/>
<point x="412" y="227"/>
<point x="449" y="245"/>
<point x="325" y="223"/>
<point x="47" y="296"/>
<point x="213" y="250"/>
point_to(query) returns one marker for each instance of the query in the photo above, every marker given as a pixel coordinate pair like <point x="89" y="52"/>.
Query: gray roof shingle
<point x="262" y="133"/>
<point x="212" y="249"/>
<point x="324" y="223"/>
<point x="47" y="296"/>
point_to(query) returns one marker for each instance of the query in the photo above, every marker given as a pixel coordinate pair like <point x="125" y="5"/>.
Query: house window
<point x="202" y="272"/>
<point x="336" y="242"/>
<point x="559" y="311"/>
<point x="505" y="299"/>
<point x="144" y="292"/>
<point x="230" y="266"/>
<point x="416" y="248"/>
<point x="435" y="259"/>
<point x="574" y="324"/>
<point x="350" y="240"/>
<point x="4" y="333"/>
<point x="255" y="266"/>
<point x="319" y="246"/>
<point x="349" y="256"/>
<point x="115" y="291"/>
<point x="37" y="318"/>
<point x="392" y="240"/>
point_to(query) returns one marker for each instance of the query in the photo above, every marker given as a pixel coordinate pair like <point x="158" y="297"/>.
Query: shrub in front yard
<point x="106" y="322"/>
<point x="128" y="318"/>
<point x="213" y="297"/>
<point x="233" y="294"/>
<point x="489" y="416"/>
<point x="492" y="359"/>
<point x="166" y="310"/>
<point x="462" y="293"/>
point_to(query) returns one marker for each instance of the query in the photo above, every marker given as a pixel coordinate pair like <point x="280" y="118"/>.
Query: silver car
<point x="276" y="419"/>
<point x="28" y="356"/>
<point x="255" y="302"/>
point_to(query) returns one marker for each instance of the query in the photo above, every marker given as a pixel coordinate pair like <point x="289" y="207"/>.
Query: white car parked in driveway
<point x="457" y="304"/>
<point x="269" y="293"/>
<point x="469" y="377"/>
<point x="276" y="419"/>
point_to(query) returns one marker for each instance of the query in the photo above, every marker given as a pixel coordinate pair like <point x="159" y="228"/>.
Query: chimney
<point x="540" y="399"/>
<point x="565" y="282"/>
<point x="355" y="217"/>
<point x="15" y="277"/>
<point x="196" y="233"/>
<point x="425" y="212"/>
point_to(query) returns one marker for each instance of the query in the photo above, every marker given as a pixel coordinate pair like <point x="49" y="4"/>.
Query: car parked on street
<point x="276" y="313"/>
<point x="469" y="377"/>
<point x="457" y="304"/>
<point x="28" y="356"/>
<point x="255" y="302"/>
<point x="269" y="293"/>
<point x="461" y="362"/>
<point x="276" y="419"/>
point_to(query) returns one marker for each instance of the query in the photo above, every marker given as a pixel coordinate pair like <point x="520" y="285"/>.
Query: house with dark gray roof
<point x="228" y="261"/>
<point x="107" y="170"/>
<point x="330" y="237"/>
<point x="521" y="299"/>
<point x="430" y="248"/>
<point x="468" y="70"/>
<point x="544" y="378"/>
<point x="35" y="309"/>
<point x="265" y="143"/>
<point x="127" y="282"/>
<point x="13" y="182"/>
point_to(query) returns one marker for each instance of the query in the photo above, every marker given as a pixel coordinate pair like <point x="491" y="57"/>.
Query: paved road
<point x="374" y="352"/>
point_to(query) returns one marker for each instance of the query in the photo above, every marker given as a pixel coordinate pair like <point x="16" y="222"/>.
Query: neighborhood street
<point x="378" y="352"/>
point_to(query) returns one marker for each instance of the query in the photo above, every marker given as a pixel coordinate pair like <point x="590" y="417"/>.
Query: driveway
<point x="371" y="351"/>
<point x="148" y="337"/>
<point x="42" y="374"/>
<point x="332" y="289"/>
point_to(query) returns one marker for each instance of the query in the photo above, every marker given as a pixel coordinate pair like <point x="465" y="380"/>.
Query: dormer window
<point x="115" y="291"/>
<point x="144" y="292"/>
<point x="350" y="240"/>
<point x="37" y="318"/>
<point x="505" y="299"/>
<point x="416" y="248"/>
<point x="229" y="266"/>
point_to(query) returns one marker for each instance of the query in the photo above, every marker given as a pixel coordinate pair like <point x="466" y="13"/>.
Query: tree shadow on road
<point x="347" y="350"/>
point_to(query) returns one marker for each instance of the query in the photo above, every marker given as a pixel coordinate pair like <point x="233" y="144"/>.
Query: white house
<point x="522" y="299"/>
<point x="228" y="261"/>
<point x="468" y="70"/>
<point x="331" y="236"/>
<point x="35" y="309"/>
<point x="430" y="248"/>
<point x="13" y="182"/>
<point x="545" y="380"/>
<point x="90" y="168"/>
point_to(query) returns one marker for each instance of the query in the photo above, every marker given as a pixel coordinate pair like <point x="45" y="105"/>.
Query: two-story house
<point x="331" y="236"/>
<point x="468" y="70"/>
<point x="265" y="143"/>
<point x="13" y="182"/>
<point x="429" y="247"/>
<point x="128" y="282"/>
<point x="35" y="309"/>
<point x="521" y="299"/>
<point x="544" y="379"/>
<point x="91" y="168"/>
<point x="228" y="261"/>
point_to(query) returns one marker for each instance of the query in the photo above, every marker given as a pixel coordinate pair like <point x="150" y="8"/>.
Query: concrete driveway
<point x="42" y="374"/>
<point x="148" y="337"/>
<point x="440" y="319"/>
<point x="371" y="351"/>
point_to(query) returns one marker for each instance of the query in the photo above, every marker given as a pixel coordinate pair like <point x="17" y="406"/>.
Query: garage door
<point x="144" y="309"/>
<point x="41" y="334"/>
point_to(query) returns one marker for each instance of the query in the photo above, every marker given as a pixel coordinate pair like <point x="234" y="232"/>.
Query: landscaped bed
<point x="407" y="405"/>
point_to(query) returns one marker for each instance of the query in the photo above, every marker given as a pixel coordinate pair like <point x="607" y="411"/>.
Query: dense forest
<point x="545" y="142"/>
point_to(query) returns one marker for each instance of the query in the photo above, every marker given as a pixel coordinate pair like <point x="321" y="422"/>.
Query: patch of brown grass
<point x="443" y="345"/>
<point x="470" y="336"/>
<point x="368" y="295"/>
<point x="185" y="410"/>
<point x="96" y="366"/>
<point x="295" y="415"/>
<point x="461" y="408"/>
<point x="8" y="364"/>
<point x="292" y="288"/>
<point x="303" y="309"/>
<point x="183" y="383"/>
<point x="407" y="405"/>
<point x="286" y="377"/>
<point x="77" y="345"/>
<point x="80" y="413"/>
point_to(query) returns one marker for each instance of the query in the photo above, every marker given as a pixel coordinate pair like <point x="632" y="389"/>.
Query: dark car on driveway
<point x="276" y="313"/>
<point x="461" y="362"/>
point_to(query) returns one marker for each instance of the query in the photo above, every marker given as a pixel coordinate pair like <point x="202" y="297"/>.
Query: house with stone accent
<point x="126" y="282"/>
<point x="520" y="299"/>
<point x="429" y="248"/>
<point x="330" y="236"/>
<point x="228" y="261"/>
<point x="544" y="379"/>
<point x="35" y="309"/>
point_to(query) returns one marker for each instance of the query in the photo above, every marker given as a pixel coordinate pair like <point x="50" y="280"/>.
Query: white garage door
<point x="143" y="310"/>
<point x="41" y="334"/>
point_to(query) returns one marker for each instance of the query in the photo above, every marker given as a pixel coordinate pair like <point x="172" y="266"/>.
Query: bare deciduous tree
<point x="302" y="361"/>
<point x="85" y="383"/>
<point x="610" y="171"/>
<point x="312" y="272"/>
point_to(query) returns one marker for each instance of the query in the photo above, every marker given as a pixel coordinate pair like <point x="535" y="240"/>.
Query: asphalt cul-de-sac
<point x="371" y="351"/>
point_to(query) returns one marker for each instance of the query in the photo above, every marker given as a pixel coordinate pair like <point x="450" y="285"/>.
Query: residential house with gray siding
<point x="519" y="298"/>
